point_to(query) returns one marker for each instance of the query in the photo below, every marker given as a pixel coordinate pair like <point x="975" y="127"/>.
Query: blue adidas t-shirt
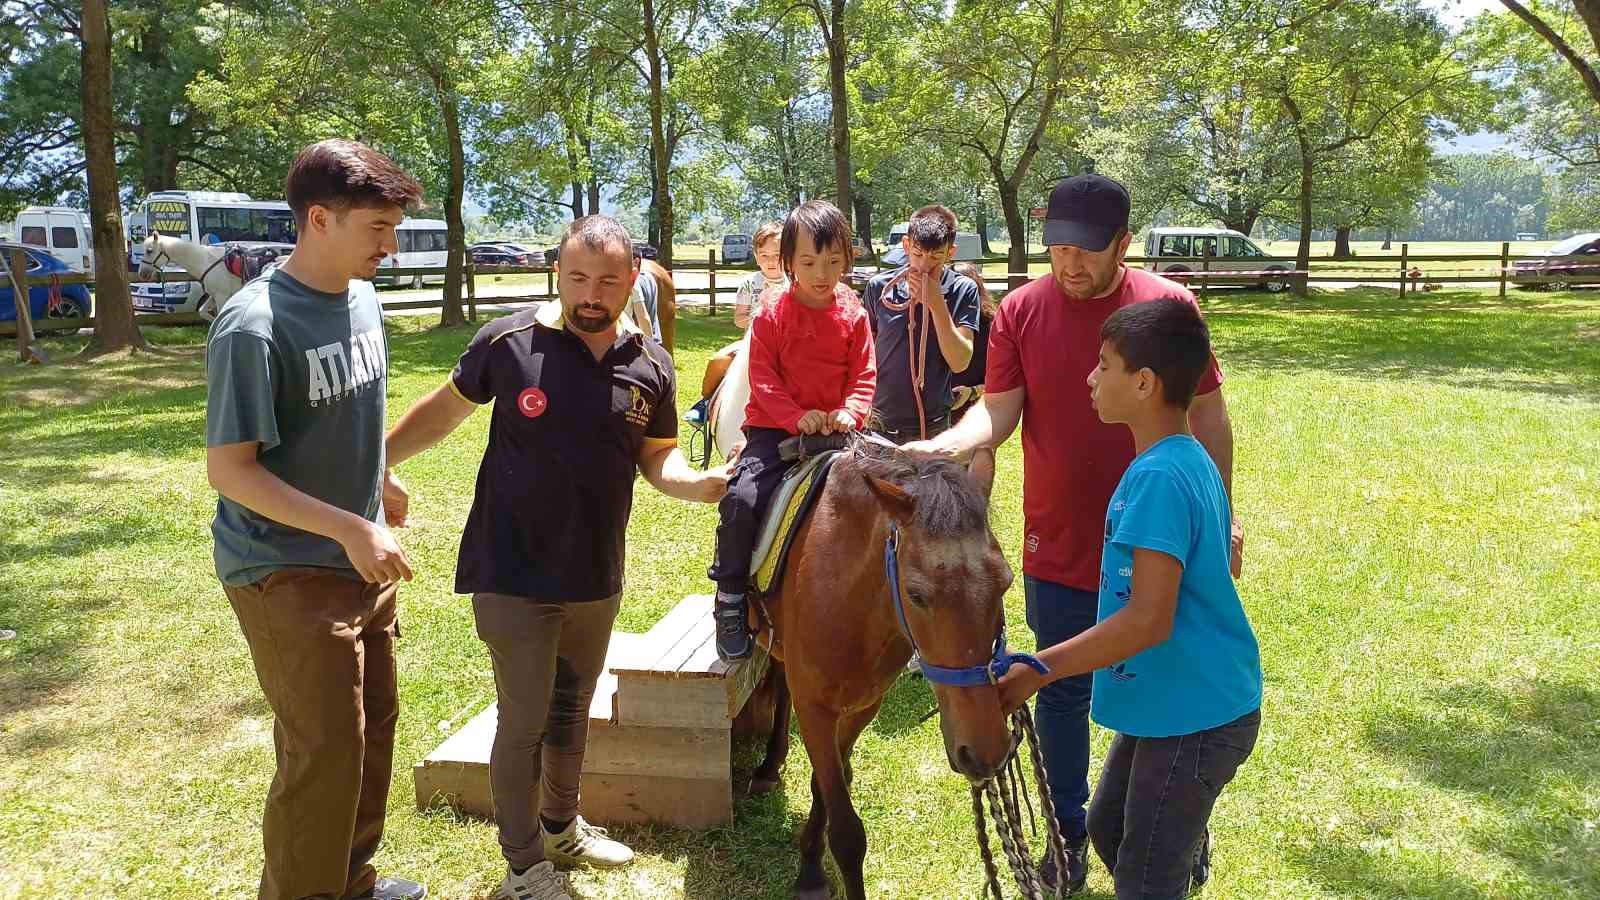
<point x="1208" y="672"/>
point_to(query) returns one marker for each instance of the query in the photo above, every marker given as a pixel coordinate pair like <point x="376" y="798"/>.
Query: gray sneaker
<point x="540" y="882"/>
<point x="583" y="844"/>
<point x="395" y="889"/>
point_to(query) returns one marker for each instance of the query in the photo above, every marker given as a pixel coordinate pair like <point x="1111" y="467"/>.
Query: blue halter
<point x="967" y="676"/>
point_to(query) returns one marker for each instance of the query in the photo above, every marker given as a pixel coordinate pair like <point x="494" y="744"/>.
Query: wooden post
<point x="1505" y="266"/>
<point x="1405" y="269"/>
<point x="711" y="280"/>
<point x="1205" y="271"/>
<point x="472" y="290"/>
<point x="18" y="267"/>
<point x="550" y="283"/>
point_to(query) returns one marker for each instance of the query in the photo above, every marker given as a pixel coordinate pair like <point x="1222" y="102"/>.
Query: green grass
<point x="1418" y="485"/>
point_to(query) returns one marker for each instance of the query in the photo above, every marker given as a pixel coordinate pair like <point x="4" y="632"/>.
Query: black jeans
<point x="905" y="432"/>
<point x="755" y="477"/>
<point x="1154" y="798"/>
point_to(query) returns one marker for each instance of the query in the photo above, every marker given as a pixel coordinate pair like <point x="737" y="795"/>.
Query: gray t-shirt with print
<point x="303" y="372"/>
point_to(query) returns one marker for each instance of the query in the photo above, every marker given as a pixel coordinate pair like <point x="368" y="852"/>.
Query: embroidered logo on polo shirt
<point x="638" y="407"/>
<point x="532" y="402"/>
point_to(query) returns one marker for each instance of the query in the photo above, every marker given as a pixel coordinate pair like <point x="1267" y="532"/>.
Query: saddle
<point x="247" y="263"/>
<point x="791" y="503"/>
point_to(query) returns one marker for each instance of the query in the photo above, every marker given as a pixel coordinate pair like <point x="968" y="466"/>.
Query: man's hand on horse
<point x="812" y="422"/>
<point x="1019" y="683"/>
<point x="396" y="500"/>
<point x="1236" y="550"/>
<point x="839" y="421"/>
<point x="713" y="483"/>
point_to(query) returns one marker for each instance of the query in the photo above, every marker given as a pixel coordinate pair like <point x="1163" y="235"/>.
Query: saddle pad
<point x="790" y="502"/>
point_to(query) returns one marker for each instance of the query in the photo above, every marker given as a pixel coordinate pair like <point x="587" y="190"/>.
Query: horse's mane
<point x="949" y="502"/>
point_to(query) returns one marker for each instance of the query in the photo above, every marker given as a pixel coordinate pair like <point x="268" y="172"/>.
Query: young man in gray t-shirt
<point x="296" y="372"/>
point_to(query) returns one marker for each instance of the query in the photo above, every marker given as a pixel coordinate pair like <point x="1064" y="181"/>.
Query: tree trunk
<point x="156" y="135"/>
<point x="833" y="30"/>
<point x="455" y="229"/>
<point x="1017" y="228"/>
<point x="1341" y="242"/>
<point x="1248" y="224"/>
<point x="660" y="159"/>
<point x="1302" y="256"/>
<point x="1388" y="239"/>
<point x="114" y="328"/>
<point x="863" y="211"/>
<point x="586" y="139"/>
<point x="981" y="222"/>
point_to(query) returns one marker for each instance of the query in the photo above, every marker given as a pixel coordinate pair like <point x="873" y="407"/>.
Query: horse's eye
<point x="917" y="598"/>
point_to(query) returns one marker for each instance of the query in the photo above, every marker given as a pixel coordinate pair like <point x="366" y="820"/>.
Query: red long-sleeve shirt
<point x="803" y="359"/>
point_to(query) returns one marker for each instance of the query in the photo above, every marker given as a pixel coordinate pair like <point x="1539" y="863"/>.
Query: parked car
<point x="1233" y="252"/>
<point x="504" y="254"/>
<point x="644" y="250"/>
<point x="73" y="300"/>
<point x="736" y="248"/>
<point x="1577" y="256"/>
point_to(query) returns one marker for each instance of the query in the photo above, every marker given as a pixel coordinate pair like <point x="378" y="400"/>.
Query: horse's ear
<point x="896" y="500"/>
<point x="981" y="469"/>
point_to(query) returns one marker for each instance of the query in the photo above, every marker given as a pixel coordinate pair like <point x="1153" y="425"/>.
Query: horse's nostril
<point x="966" y="761"/>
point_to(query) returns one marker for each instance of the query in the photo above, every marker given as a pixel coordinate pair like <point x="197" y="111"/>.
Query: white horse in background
<point x="725" y="417"/>
<point x="206" y="264"/>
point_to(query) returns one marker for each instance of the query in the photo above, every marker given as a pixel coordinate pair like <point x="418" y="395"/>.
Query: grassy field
<point x="1421" y="497"/>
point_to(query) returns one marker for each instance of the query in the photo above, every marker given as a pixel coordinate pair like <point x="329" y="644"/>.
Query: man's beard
<point x="592" y="325"/>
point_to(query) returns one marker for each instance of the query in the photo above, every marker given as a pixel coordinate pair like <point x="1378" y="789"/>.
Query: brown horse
<point x="666" y="300"/>
<point x="838" y="645"/>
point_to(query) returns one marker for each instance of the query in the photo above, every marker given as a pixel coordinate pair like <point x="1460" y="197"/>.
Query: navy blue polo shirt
<point x="550" y="511"/>
<point x="895" y="403"/>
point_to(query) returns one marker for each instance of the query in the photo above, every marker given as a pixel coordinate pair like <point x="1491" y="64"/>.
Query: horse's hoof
<point x="761" y="786"/>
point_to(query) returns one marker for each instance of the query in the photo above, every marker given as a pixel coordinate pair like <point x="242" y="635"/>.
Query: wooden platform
<point x="660" y="731"/>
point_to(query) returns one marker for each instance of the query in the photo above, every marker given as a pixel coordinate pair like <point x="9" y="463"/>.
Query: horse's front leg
<point x="818" y="728"/>
<point x="766" y="777"/>
<point x="830" y="786"/>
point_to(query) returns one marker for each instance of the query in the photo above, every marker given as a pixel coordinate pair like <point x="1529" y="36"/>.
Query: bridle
<point x="1000" y="662"/>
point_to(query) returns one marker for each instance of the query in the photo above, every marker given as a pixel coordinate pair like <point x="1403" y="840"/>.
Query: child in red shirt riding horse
<point x="812" y="371"/>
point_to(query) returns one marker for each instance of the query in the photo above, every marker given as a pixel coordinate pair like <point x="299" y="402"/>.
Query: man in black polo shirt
<point x="581" y="400"/>
<point x="923" y="317"/>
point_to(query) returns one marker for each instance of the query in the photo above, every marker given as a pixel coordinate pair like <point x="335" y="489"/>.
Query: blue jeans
<point x="1056" y="612"/>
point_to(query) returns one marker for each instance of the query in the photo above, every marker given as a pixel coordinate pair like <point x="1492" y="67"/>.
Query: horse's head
<point x="153" y="258"/>
<point x="953" y="580"/>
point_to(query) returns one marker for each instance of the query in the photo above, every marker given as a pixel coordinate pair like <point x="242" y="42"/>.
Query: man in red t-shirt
<point x="1042" y="345"/>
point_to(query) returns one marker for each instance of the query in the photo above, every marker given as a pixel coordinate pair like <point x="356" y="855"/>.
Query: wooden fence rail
<point x="1402" y="269"/>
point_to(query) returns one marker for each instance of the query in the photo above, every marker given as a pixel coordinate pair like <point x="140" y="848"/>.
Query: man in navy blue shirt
<point x="924" y="316"/>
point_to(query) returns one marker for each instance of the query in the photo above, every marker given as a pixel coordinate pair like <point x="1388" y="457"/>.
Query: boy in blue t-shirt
<point x="1177" y="673"/>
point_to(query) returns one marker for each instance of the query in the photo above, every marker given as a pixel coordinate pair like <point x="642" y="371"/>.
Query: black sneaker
<point x="733" y="627"/>
<point x="395" y="889"/>
<point x="1201" y="873"/>
<point x="1077" y="866"/>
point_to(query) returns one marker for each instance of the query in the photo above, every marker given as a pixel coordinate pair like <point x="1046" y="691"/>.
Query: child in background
<point x="1177" y="671"/>
<point x="768" y="274"/>
<point x="811" y="371"/>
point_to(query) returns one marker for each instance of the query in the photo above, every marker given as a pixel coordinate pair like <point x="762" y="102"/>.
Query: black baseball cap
<point x="1086" y="211"/>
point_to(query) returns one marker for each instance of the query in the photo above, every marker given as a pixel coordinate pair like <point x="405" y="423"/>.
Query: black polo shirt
<point x="550" y="512"/>
<point x="896" y="401"/>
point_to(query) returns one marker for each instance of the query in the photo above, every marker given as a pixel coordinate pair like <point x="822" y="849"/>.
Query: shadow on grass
<point x="1537" y="343"/>
<point x="1526" y="754"/>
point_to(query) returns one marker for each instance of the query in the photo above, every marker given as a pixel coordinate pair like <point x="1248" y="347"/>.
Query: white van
<point x="1227" y="251"/>
<point x="201" y="217"/>
<point x="422" y="242"/>
<point x="61" y="231"/>
<point x="969" y="247"/>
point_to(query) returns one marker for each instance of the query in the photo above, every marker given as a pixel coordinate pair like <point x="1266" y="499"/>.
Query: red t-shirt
<point x="803" y="359"/>
<point x="1046" y="343"/>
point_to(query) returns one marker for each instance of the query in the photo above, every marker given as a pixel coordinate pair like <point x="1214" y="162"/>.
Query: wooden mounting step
<point x="659" y="731"/>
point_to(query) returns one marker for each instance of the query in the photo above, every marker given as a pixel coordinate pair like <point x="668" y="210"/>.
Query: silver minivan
<point x="1233" y="252"/>
<point x="736" y="248"/>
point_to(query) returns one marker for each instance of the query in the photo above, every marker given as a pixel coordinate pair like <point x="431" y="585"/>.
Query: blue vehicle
<point x="71" y="300"/>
